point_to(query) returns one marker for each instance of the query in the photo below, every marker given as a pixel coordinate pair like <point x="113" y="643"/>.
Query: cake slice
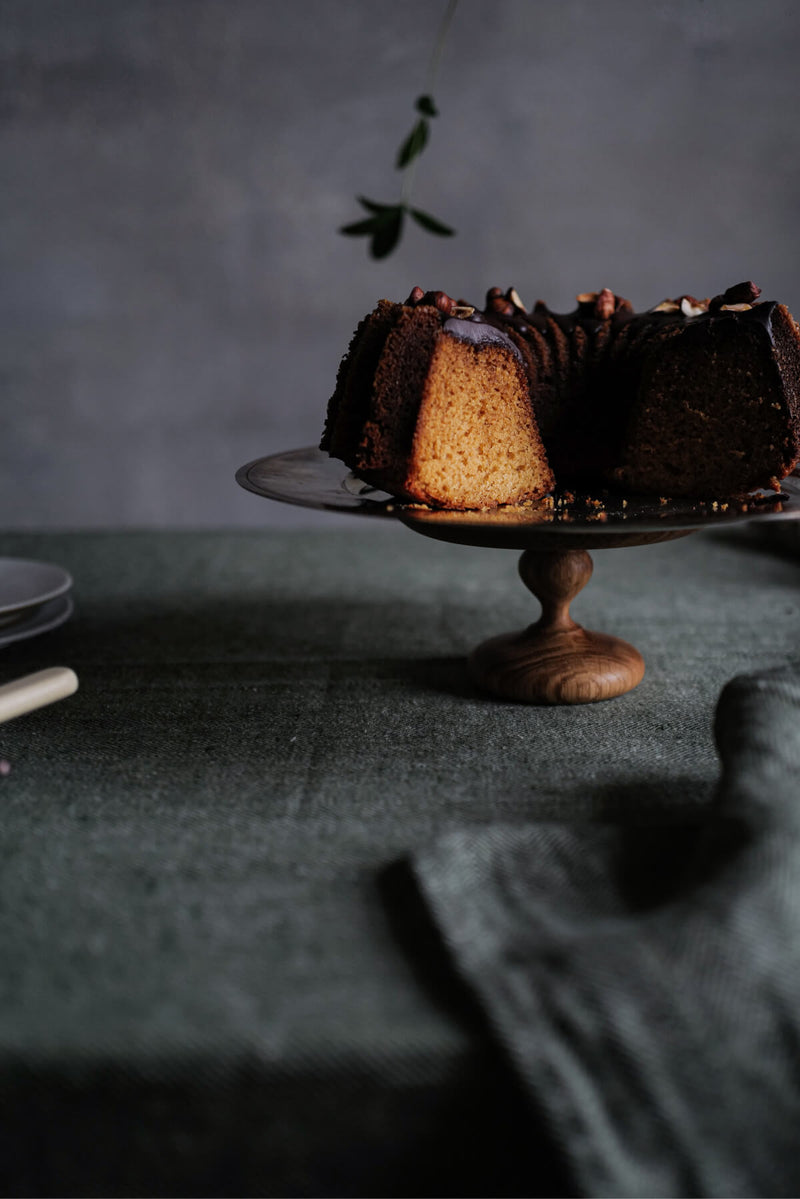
<point x="716" y="412"/>
<point x="433" y="405"/>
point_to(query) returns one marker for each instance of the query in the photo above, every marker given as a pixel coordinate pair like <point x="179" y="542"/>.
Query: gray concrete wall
<point x="175" y="296"/>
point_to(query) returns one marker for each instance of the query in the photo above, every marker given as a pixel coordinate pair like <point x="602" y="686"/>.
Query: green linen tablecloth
<point x="213" y="979"/>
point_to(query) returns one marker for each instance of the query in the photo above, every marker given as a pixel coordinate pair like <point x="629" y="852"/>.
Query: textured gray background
<point x="175" y="296"/>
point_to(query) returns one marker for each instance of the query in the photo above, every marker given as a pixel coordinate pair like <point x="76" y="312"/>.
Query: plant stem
<point x="433" y="65"/>
<point x="430" y="85"/>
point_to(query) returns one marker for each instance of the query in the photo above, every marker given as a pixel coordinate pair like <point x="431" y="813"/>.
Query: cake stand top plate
<point x="309" y="478"/>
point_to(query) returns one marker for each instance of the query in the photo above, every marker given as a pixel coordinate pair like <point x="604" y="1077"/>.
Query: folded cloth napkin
<point x="644" y="983"/>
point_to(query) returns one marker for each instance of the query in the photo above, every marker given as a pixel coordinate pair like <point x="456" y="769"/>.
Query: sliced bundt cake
<point x="442" y="404"/>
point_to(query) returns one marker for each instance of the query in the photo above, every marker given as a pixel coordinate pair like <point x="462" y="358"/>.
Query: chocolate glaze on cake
<point x="479" y="332"/>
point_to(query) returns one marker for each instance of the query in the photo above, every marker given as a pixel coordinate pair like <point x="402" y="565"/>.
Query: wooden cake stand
<point x="555" y="660"/>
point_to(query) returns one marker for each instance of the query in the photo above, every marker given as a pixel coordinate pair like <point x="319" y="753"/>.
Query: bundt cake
<point x="443" y="404"/>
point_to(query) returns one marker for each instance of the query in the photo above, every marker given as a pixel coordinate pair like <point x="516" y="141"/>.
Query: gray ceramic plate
<point x="40" y="619"/>
<point x="28" y="584"/>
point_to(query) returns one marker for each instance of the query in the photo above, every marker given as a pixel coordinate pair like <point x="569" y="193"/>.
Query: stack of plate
<point x="34" y="597"/>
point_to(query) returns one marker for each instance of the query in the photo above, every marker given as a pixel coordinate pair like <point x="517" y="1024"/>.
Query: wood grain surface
<point x="556" y="660"/>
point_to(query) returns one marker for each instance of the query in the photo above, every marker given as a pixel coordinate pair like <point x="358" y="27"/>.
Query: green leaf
<point x="388" y="235"/>
<point x="413" y="145"/>
<point x="384" y="228"/>
<point x="426" y="106"/>
<point x="372" y="206"/>
<point x="361" y="228"/>
<point x="431" y="223"/>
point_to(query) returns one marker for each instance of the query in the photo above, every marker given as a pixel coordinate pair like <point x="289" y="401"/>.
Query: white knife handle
<point x="35" y="690"/>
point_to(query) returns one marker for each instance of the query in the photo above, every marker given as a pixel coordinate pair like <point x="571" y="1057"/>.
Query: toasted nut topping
<point x="602" y="304"/>
<point x="667" y="306"/>
<point x="742" y="293"/>
<point x="688" y="308"/>
<point x="605" y="304"/>
<point x="735" y="307"/>
<point x="462" y="311"/>
<point x="513" y="296"/>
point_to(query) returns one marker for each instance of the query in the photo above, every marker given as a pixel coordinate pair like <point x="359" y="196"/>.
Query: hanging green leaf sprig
<point x="384" y="225"/>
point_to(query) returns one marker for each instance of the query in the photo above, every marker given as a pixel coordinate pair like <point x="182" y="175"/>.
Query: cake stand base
<point x="555" y="660"/>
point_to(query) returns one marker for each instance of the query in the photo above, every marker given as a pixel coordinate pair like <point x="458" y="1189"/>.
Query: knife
<point x="36" y="690"/>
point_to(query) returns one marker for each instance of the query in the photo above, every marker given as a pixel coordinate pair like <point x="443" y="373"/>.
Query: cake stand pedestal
<point x="554" y="660"/>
